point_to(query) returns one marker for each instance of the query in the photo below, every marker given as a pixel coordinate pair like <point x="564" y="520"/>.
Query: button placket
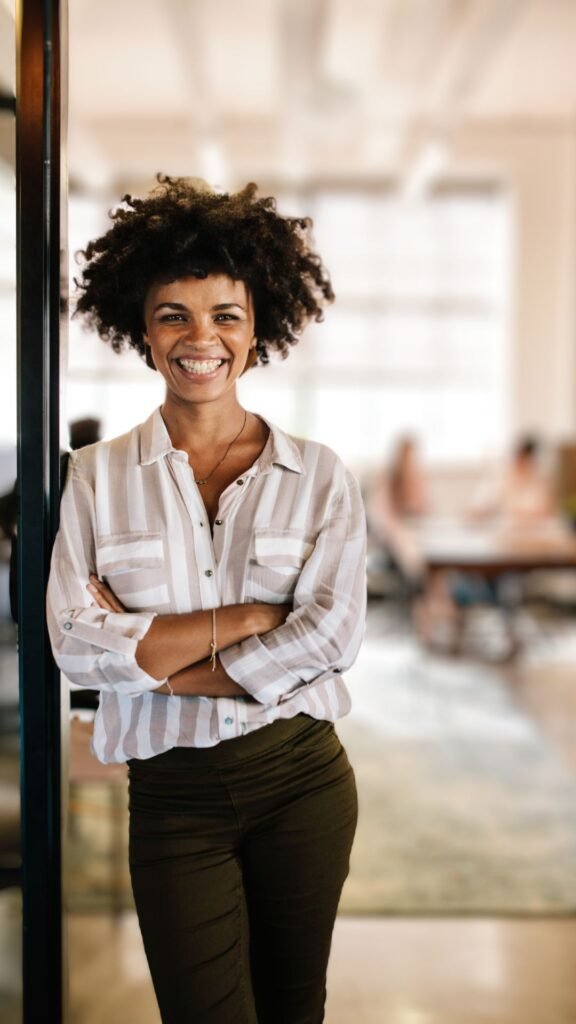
<point x="203" y="545"/>
<point x="229" y="500"/>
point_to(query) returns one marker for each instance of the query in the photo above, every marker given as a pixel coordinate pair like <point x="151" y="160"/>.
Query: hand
<point x="103" y="596"/>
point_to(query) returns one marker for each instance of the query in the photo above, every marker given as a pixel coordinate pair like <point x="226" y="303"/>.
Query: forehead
<point x="192" y="291"/>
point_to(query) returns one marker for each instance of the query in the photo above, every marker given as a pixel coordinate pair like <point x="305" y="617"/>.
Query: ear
<point x="252" y="358"/>
<point x="148" y="353"/>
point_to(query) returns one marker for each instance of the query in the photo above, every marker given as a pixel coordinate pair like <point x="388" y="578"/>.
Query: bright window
<point x="417" y="340"/>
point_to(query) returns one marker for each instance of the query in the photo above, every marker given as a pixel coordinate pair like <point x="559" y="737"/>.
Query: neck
<point x="197" y="427"/>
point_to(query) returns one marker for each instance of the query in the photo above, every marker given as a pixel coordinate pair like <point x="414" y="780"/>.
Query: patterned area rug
<point x="464" y="805"/>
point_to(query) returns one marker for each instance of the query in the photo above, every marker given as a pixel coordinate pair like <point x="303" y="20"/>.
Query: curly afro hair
<point x="180" y="230"/>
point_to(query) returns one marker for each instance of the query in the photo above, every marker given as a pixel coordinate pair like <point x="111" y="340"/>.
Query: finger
<point x="100" y="599"/>
<point x="105" y="597"/>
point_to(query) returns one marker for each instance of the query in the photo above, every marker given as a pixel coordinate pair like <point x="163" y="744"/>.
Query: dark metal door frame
<point x="42" y="274"/>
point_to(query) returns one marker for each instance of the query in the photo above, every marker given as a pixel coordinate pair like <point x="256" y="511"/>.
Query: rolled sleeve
<point x="94" y="648"/>
<point x="323" y="634"/>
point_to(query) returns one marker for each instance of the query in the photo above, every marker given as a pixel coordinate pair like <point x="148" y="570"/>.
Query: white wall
<point x="538" y="160"/>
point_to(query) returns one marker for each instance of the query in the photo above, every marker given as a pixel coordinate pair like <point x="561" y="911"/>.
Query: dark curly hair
<point x="182" y="229"/>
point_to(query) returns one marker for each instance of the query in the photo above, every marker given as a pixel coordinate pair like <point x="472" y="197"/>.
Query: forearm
<point x="175" y="642"/>
<point x="200" y="681"/>
<point x="320" y="637"/>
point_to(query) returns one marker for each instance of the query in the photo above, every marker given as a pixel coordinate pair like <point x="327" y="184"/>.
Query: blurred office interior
<point x="433" y="143"/>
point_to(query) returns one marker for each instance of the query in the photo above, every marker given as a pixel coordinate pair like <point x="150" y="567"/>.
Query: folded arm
<point x="322" y="635"/>
<point x="108" y="648"/>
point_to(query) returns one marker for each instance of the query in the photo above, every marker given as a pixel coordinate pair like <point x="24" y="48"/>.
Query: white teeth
<point x="197" y="366"/>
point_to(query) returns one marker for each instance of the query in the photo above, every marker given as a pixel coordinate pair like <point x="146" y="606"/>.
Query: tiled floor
<point x="382" y="972"/>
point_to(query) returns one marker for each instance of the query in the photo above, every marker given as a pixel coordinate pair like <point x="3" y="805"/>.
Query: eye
<point x="170" y="318"/>
<point x="224" y="317"/>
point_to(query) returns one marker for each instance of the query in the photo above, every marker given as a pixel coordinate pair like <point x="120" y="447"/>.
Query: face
<point x="200" y="333"/>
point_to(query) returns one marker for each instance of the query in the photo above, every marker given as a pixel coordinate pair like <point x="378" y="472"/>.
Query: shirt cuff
<point x="108" y="662"/>
<point x="117" y="632"/>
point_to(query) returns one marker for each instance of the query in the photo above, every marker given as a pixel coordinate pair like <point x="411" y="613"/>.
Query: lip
<point x="201" y="357"/>
<point x="199" y="378"/>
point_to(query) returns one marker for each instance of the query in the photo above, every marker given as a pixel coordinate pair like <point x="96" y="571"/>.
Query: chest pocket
<point x="133" y="566"/>
<point x="276" y="561"/>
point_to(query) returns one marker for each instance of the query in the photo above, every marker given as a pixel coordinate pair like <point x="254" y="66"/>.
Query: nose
<point x="201" y="331"/>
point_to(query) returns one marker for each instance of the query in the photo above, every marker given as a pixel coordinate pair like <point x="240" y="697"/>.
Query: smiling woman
<point x="208" y="579"/>
<point x="200" y="331"/>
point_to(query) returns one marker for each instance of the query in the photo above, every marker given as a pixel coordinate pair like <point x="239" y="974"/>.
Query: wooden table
<point x="492" y="550"/>
<point x="495" y="548"/>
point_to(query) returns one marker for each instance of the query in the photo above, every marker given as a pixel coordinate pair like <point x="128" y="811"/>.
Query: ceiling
<point x="294" y="90"/>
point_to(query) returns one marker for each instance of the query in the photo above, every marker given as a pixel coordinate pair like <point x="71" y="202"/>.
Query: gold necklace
<point x="218" y="464"/>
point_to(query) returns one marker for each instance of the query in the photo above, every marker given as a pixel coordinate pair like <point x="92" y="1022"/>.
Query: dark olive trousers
<point x="238" y="854"/>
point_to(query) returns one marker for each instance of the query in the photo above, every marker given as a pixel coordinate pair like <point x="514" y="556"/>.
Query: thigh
<point x="188" y="890"/>
<point x="295" y="863"/>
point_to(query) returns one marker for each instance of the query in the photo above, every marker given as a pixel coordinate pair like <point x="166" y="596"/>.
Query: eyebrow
<point x="180" y="306"/>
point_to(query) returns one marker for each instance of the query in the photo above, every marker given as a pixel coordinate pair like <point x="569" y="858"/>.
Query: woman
<point x="406" y="483"/>
<point x="208" y="578"/>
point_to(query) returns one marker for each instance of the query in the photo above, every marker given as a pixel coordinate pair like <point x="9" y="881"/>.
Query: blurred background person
<point x="395" y="502"/>
<point x="523" y="493"/>
<point x="85" y="431"/>
<point x="520" y="497"/>
<point x="406" y="481"/>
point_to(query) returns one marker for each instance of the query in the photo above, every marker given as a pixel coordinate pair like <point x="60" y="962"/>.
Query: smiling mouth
<point x="200" y="367"/>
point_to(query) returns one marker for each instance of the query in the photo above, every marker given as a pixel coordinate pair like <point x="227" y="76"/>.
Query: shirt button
<point x="337" y="670"/>
<point x="217" y="522"/>
<point x="208" y="572"/>
<point x="201" y="524"/>
<point x="67" y="625"/>
<point x="228" y="720"/>
<point x="240" y="482"/>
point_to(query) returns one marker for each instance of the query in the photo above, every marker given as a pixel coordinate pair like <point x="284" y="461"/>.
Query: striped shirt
<point x="290" y="529"/>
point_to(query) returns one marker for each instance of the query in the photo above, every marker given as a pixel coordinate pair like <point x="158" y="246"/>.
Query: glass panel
<point x="10" y="896"/>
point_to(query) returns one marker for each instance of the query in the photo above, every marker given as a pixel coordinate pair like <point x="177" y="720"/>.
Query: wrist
<point x="253" y="619"/>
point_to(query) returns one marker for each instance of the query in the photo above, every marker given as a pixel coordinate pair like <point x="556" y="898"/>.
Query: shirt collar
<point x="155" y="440"/>
<point x="280" y="449"/>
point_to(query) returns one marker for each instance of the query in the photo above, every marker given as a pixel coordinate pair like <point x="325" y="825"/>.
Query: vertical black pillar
<point x="41" y="271"/>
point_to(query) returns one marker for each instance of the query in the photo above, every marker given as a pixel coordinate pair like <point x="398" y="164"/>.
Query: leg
<point x="295" y="863"/>
<point x="188" y="889"/>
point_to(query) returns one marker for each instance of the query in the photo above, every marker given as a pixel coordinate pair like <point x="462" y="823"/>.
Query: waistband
<point x="240" y="748"/>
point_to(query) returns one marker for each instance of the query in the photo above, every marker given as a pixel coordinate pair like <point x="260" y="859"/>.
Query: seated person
<point x="398" y="497"/>
<point x="521" y="497"/>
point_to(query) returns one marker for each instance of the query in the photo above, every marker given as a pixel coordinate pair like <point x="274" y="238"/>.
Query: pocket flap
<point x="282" y="547"/>
<point x="120" y="552"/>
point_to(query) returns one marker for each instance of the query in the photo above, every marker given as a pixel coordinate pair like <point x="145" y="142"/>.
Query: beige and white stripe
<point x="290" y="529"/>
